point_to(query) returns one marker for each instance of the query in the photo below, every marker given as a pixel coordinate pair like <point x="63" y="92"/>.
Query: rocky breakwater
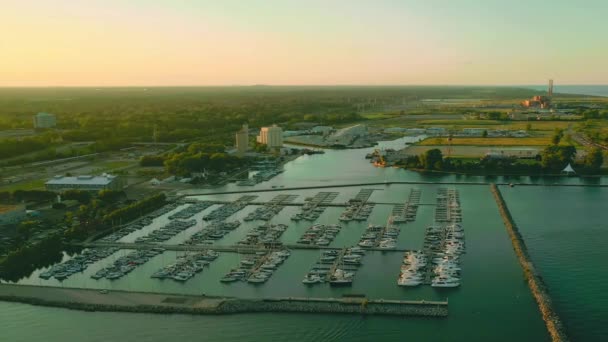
<point x="338" y="306"/>
<point x="535" y="282"/>
<point x="164" y="303"/>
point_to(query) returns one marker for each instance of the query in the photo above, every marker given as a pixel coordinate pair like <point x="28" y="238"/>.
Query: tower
<point x="550" y="90"/>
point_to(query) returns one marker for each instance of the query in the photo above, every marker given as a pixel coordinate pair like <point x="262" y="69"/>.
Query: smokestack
<point x="550" y="91"/>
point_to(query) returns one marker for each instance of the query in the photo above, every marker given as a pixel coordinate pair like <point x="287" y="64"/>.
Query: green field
<point x="27" y="185"/>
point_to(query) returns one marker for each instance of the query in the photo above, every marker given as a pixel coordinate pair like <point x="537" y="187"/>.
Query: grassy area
<point x="28" y="185"/>
<point x="535" y="141"/>
<point x="379" y="115"/>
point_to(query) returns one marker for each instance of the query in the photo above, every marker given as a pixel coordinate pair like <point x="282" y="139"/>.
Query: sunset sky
<point x="285" y="42"/>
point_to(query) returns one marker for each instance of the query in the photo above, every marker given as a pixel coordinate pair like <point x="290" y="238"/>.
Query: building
<point x="12" y="214"/>
<point x="242" y="140"/>
<point x="519" y="153"/>
<point x="85" y="182"/>
<point x="45" y="120"/>
<point x="271" y="136"/>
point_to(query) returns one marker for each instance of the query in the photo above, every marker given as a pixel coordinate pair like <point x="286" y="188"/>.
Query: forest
<point x="112" y="118"/>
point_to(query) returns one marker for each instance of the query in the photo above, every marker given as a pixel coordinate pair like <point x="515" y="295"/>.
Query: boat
<point x="366" y="243"/>
<point x="311" y="278"/>
<point x="341" y="278"/>
<point x="228" y="279"/>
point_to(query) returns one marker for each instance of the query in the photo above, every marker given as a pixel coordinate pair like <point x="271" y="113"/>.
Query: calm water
<point x="493" y="302"/>
<point x="565" y="230"/>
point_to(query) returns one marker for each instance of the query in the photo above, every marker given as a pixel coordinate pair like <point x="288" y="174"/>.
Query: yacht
<point x="312" y="279"/>
<point x="445" y="283"/>
<point x="228" y="279"/>
<point x="366" y="243"/>
<point x="341" y="278"/>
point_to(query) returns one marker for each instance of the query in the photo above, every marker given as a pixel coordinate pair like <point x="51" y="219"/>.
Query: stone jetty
<point x="535" y="282"/>
<point x="147" y="302"/>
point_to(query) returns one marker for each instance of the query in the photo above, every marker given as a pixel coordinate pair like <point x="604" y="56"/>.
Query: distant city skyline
<point x="387" y="42"/>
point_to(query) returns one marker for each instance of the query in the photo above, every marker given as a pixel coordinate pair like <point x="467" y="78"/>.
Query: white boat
<point x="366" y="243"/>
<point x="312" y="279"/>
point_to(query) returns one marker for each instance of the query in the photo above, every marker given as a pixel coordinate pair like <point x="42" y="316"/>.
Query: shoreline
<point x="166" y="303"/>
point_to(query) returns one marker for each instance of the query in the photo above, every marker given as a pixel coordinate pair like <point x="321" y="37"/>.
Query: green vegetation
<point x="480" y="141"/>
<point x="134" y="210"/>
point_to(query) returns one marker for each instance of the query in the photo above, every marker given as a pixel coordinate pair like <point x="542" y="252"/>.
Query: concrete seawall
<point x="537" y="286"/>
<point x="140" y="302"/>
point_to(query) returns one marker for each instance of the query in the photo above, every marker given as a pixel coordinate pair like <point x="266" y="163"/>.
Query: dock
<point x="230" y="249"/>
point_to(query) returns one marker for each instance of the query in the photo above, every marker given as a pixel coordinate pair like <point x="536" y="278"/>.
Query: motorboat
<point x="311" y="278"/>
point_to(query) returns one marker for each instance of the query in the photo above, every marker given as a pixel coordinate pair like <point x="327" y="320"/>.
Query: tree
<point x="556" y="157"/>
<point x="485" y="133"/>
<point x="432" y="159"/>
<point x="557" y="137"/>
<point x="594" y="159"/>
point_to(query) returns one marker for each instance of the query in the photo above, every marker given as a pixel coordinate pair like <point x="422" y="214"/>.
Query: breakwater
<point x="535" y="282"/>
<point x="163" y="303"/>
<point x="197" y="193"/>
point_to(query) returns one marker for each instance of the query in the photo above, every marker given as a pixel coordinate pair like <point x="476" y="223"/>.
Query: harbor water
<point x="492" y="303"/>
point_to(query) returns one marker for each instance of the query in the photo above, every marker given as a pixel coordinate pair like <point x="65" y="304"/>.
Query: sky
<point x="294" y="42"/>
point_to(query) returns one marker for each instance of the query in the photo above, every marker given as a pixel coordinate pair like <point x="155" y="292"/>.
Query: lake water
<point x="493" y="302"/>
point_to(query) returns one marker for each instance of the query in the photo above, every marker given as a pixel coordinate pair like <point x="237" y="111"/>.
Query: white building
<point x="271" y="136"/>
<point x="12" y="214"/>
<point x="242" y="140"/>
<point x="45" y="120"/>
<point x="85" y="182"/>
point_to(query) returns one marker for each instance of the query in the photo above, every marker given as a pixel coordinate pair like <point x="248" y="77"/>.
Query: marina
<point x="320" y="234"/>
<point x="403" y="213"/>
<point x="270" y="209"/>
<point x="212" y="232"/>
<point x="186" y="266"/>
<point x="229" y="209"/>
<point x="314" y="206"/>
<point x="358" y="208"/>
<point x="372" y="277"/>
<point x="257" y="268"/>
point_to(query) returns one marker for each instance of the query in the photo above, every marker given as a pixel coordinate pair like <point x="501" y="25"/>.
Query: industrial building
<point x="540" y="101"/>
<point x="11" y="214"/>
<point x="85" y="182"/>
<point x="45" y="120"/>
<point x="271" y="136"/>
<point x="242" y="140"/>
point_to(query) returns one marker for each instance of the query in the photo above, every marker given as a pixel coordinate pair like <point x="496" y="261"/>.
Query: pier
<point x="230" y="249"/>
<point x="537" y="287"/>
<point x="168" y="303"/>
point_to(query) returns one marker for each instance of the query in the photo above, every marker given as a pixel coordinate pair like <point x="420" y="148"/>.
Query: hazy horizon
<point x="113" y="43"/>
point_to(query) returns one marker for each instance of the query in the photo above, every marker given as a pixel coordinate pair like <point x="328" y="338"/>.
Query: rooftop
<point x="104" y="179"/>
